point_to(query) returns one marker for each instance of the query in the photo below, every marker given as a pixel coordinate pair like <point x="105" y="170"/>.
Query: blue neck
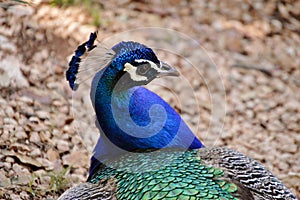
<point x="135" y="118"/>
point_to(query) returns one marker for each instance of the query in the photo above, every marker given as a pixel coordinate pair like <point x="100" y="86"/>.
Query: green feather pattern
<point x="165" y="174"/>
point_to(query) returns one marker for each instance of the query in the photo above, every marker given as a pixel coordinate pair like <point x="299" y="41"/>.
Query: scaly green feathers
<point x="165" y="174"/>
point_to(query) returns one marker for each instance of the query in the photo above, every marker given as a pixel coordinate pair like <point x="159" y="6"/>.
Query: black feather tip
<point x="71" y="73"/>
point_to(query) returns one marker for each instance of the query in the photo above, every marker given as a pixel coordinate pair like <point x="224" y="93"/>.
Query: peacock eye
<point x="143" y="68"/>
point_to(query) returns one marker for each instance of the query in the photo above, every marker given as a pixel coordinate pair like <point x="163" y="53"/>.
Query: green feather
<point x="167" y="174"/>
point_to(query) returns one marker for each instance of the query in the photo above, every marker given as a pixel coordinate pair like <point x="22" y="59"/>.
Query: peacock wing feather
<point x="249" y="175"/>
<point x="104" y="190"/>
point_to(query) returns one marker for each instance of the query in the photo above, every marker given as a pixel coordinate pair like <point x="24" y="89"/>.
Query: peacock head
<point x="139" y="63"/>
<point x="130" y="62"/>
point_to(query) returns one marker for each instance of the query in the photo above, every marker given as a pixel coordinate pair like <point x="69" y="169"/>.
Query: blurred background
<point x="254" y="45"/>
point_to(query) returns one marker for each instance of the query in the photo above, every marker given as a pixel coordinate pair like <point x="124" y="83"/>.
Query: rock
<point x="42" y="114"/>
<point x="250" y="104"/>
<point x="59" y="120"/>
<point x="66" y="110"/>
<point x="66" y="129"/>
<point x="34" y="137"/>
<point x="35" y="153"/>
<point x="291" y="148"/>
<point x="283" y="165"/>
<point x="11" y="67"/>
<point x="5" y="181"/>
<point x="249" y="114"/>
<point x="37" y="95"/>
<point x="20" y="147"/>
<point x="39" y="172"/>
<point x="63" y="146"/>
<point x="4" y="79"/>
<point x="26" y="99"/>
<point x="45" y="137"/>
<point x="226" y="135"/>
<point x="15" y="197"/>
<point x="9" y="111"/>
<point x="275" y="126"/>
<point x="24" y="195"/>
<point x="75" y="159"/>
<point x="77" y="139"/>
<point x="10" y="121"/>
<point x="21" y="135"/>
<point x="9" y="160"/>
<point x="6" y="165"/>
<point x="28" y="160"/>
<point x="5" y="136"/>
<point x="7" y="45"/>
<point x="48" y="165"/>
<point x="45" y="180"/>
<point x="297" y="138"/>
<point x="22" y="173"/>
<point x="80" y="171"/>
<point x="34" y="120"/>
<point x="21" y="10"/>
<point x="52" y="154"/>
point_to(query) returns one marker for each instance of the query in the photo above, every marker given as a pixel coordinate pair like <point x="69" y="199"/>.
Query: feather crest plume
<point x="88" y="59"/>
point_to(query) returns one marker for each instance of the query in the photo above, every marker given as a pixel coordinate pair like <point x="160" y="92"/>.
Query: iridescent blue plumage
<point x="142" y="128"/>
<point x="128" y="51"/>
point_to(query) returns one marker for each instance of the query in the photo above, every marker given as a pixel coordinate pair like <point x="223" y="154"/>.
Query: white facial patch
<point x="152" y="64"/>
<point x="132" y="72"/>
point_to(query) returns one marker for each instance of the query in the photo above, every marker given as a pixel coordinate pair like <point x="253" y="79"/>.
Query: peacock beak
<point x="167" y="70"/>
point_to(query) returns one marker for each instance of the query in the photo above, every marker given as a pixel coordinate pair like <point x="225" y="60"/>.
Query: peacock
<point x="146" y="150"/>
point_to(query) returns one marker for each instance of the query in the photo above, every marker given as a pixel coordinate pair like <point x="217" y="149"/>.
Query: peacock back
<point x="165" y="174"/>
